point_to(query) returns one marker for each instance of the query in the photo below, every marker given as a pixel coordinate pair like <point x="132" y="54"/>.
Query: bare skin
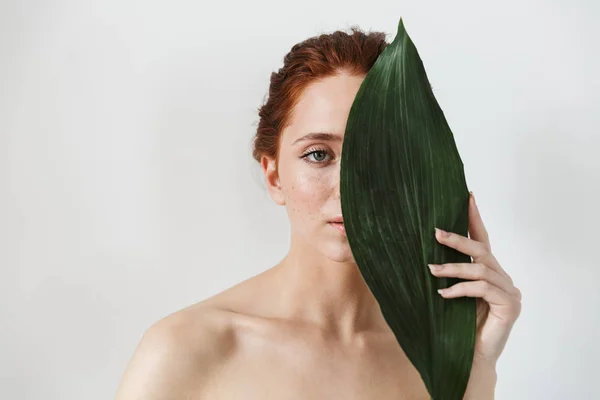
<point x="307" y="328"/>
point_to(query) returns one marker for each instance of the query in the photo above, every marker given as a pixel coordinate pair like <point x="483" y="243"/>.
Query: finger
<point x="461" y="243"/>
<point x="481" y="289"/>
<point x="477" y="230"/>
<point x="473" y="248"/>
<point x="474" y="272"/>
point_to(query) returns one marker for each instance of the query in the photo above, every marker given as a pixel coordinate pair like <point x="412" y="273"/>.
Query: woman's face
<point x="308" y="178"/>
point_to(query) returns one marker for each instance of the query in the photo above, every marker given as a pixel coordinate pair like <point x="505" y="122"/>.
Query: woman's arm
<point x="482" y="382"/>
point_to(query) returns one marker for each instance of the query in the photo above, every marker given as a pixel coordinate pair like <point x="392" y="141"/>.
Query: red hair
<point x="314" y="58"/>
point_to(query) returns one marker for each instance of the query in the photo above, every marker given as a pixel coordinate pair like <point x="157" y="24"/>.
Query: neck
<point x="329" y="294"/>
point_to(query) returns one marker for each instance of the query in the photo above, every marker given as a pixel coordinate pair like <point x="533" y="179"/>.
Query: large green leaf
<point x="401" y="176"/>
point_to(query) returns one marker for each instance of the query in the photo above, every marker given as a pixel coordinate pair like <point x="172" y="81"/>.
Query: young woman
<point x="309" y="327"/>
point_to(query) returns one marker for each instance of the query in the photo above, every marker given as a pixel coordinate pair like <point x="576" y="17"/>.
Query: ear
<point x="269" y="167"/>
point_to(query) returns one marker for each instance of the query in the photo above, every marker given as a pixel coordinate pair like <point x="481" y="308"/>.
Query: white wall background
<point x="127" y="188"/>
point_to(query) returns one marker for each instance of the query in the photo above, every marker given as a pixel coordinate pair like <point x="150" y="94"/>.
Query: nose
<point x="336" y="182"/>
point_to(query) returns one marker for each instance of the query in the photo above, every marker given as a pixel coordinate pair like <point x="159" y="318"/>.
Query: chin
<point x="344" y="260"/>
<point x="339" y="253"/>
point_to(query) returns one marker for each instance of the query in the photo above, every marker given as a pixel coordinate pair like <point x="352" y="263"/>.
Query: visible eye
<point x="319" y="156"/>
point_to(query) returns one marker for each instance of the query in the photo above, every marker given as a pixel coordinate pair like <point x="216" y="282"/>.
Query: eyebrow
<point x="319" y="136"/>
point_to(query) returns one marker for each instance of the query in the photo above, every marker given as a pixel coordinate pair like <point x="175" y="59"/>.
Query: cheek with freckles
<point x="311" y="200"/>
<point x="305" y="198"/>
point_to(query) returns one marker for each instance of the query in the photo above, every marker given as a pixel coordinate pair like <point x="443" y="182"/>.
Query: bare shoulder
<point x="179" y="354"/>
<point x="183" y="353"/>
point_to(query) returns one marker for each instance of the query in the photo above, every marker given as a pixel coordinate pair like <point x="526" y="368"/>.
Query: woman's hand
<point x="498" y="300"/>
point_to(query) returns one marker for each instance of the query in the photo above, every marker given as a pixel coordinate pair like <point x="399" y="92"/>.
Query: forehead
<point x="324" y="106"/>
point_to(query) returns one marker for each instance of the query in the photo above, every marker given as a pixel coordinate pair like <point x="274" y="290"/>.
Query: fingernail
<point x="442" y="232"/>
<point x="472" y="196"/>
<point x="442" y="291"/>
<point x="435" y="267"/>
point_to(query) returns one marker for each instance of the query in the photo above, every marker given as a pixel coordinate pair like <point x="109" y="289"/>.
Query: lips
<point x="338" y="226"/>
